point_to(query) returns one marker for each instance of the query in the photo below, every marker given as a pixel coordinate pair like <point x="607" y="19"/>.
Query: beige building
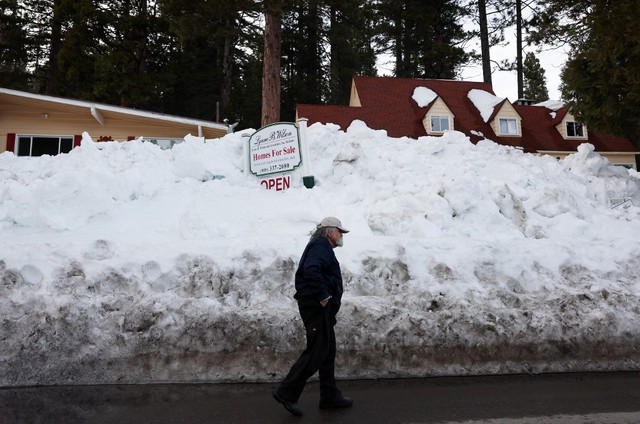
<point x="34" y="124"/>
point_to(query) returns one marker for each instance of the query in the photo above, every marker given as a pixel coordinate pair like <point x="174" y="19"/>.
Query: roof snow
<point x="554" y="105"/>
<point x="423" y="96"/>
<point x="484" y="102"/>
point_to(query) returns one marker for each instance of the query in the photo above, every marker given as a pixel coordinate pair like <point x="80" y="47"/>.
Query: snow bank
<point x="122" y="262"/>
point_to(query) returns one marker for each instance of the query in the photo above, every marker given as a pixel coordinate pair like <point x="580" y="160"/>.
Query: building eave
<point x="96" y="108"/>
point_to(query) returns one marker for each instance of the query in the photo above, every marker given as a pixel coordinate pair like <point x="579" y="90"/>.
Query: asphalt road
<point x="553" y="398"/>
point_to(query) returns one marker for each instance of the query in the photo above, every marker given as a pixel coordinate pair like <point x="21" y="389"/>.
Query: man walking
<point x="318" y="292"/>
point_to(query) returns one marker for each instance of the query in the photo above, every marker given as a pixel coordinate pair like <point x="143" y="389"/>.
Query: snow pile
<point x="122" y="262"/>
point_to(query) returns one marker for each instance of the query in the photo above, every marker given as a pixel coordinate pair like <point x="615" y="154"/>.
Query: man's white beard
<point x="339" y="242"/>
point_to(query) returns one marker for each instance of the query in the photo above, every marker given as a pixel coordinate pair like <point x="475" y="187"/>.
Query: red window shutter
<point x="76" y="140"/>
<point x="11" y="142"/>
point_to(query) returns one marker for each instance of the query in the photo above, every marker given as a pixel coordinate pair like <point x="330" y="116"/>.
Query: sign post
<point x="307" y="179"/>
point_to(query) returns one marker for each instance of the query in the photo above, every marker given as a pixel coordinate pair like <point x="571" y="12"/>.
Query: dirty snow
<point x="123" y="262"/>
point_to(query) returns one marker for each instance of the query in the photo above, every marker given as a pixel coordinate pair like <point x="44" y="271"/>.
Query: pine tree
<point x="204" y="49"/>
<point x="305" y="55"/>
<point x="601" y="79"/>
<point x="426" y="37"/>
<point x="14" y="58"/>
<point x="350" y="39"/>
<point x="535" y="82"/>
<point x="84" y="27"/>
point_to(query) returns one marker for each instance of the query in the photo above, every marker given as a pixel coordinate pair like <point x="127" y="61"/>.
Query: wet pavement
<point x="550" y="398"/>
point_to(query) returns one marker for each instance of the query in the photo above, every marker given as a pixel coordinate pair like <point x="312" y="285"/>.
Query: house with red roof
<point x="407" y="107"/>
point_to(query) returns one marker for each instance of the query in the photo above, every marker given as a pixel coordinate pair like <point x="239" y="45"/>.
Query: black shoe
<point x="341" y="402"/>
<point x="292" y="407"/>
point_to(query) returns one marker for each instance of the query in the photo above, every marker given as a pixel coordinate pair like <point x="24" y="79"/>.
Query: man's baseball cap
<point x="330" y="221"/>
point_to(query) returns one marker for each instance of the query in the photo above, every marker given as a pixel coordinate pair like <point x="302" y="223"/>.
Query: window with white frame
<point x="574" y="129"/>
<point x="38" y="145"/>
<point x="508" y="126"/>
<point x="439" y="123"/>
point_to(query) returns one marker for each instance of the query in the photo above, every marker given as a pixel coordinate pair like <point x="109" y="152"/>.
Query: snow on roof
<point x="554" y="105"/>
<point x="423" y="96"/>
<point x="484" y="102"/>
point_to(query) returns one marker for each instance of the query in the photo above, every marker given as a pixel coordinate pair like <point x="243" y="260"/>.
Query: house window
<point x="508" y="126"/>
<point x="38" y="145"/>
<point x="439" y="123"/>
<point x="574" y="129"/>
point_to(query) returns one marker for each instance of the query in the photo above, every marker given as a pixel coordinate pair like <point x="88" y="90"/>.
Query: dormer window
<point x="504" y="119"/>
<point x="439" y="123"/>
<point x="438" y="117"/>
<point x="574" y="129"/>
<point x="508" y="126"/>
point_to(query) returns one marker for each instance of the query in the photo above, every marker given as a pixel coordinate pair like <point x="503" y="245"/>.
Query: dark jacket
<point x="318" y="275"/>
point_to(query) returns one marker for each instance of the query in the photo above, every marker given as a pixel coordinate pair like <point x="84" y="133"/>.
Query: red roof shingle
<point x="387" y="104"/>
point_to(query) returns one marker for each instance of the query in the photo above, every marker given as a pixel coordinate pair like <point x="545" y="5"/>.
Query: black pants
<point x="319" y="355"/>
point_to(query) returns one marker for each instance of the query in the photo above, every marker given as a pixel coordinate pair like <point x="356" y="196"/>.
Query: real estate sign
<point x="274" y="149"/>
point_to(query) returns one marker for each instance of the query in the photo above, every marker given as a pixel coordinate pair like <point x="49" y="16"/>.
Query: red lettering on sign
<point x="279" y="183"/>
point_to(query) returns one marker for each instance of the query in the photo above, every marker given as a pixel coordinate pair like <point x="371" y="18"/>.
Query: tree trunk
<point x="519" y="48"/>
<point x="484" y="42"/>
<point x="53" y="72"/>
<point x="398" y="26"/>
<point x="225" y="90"/>
<point x="334" y="64"/>
<point x="271" y="63"/>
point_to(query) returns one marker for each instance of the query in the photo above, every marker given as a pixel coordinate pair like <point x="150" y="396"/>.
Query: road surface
<point x="553" y="398"/>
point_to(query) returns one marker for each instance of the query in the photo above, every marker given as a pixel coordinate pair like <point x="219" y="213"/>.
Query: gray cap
<point x="330" y="221"/>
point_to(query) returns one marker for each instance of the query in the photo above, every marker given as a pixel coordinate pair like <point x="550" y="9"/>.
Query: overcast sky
<point x="505" y="84"/>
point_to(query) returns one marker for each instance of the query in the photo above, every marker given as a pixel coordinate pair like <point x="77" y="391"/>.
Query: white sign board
<point x="274" y="149"/>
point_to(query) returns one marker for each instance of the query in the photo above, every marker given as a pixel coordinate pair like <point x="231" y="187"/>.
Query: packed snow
<point x="484" y="101"/>
<point x="423" y="96"/>
<point x="126" y="263"/>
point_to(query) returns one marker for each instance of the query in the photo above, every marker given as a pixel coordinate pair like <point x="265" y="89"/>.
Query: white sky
<point x="505" y="84"/>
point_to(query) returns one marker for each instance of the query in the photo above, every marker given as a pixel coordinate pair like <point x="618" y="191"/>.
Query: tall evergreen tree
<point x="121" y="72"/>
<point x="83" y="28"/>
<point x="304" y="55"/>
<point x="52" y="80"/>
<point x="350" y="40"/>
<point x="535" y="81"/>
<point x="561" y="22"/>
<point x="207" y="39"/>
<point x="601" y="79"/>
<point x="426" y="37"/>
<point x="14" y="57"/>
